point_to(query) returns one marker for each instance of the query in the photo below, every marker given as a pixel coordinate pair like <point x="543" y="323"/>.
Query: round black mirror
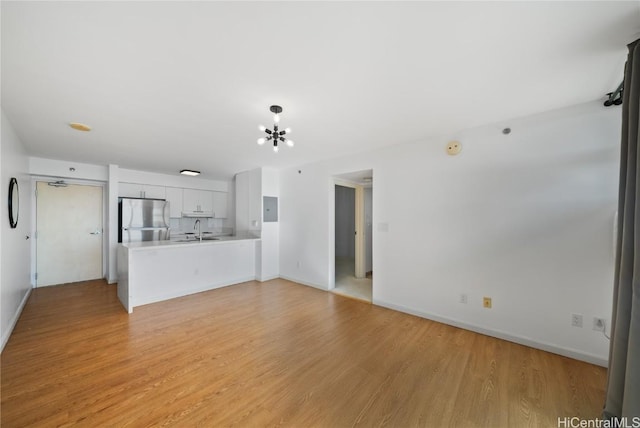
<point x="14" y="202"/>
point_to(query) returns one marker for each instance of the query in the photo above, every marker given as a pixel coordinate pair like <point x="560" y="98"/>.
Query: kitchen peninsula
<point x="153" y="271"/>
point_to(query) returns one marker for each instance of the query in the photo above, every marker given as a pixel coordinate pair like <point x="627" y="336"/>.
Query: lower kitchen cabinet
<point x="151" y="271"/>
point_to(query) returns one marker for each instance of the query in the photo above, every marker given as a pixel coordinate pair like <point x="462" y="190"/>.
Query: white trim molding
<point x="301" y="282"/>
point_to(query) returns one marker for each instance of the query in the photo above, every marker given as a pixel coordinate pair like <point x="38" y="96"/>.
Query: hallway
<point x="346" y="282"/>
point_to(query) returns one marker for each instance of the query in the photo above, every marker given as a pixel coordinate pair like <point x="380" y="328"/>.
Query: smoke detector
<point x="80" y="126"/>
<point x="453" y="148"/>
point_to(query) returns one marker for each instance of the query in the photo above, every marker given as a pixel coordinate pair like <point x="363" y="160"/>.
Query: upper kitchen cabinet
<point x="135" y="190"/>
<point x="220" y="205"/>
<point x="154" y="192"/>
<point x="174" y="196"/>
<point x="197" y="202"/>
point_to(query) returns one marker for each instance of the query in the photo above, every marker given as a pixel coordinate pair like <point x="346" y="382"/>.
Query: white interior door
<point x="69" y="233"/>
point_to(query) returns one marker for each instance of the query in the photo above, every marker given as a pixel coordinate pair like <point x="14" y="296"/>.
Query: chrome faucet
<point x="197" y="223"/>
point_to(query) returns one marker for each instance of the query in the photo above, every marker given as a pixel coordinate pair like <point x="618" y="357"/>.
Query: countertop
<point x="191" y="243"/>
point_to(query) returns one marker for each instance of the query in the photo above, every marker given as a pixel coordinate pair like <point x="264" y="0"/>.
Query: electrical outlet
<point x="463" y="298"/>
<point x="598" y="324"/>
<point x="486" y="302"/>
<point x="576" y="320"/>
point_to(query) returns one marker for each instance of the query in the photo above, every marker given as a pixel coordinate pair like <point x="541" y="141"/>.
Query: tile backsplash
<point x="186" y="225"/>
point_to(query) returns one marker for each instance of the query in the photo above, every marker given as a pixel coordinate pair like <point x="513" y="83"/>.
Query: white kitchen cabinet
<point x="136" y="190"/>
<point x="220" y="205"/>
<point x="255" y="199"/>
<point x="249" y="201"/>
<point x="154" y="192"/>
<point x="174" y="196"/>
<point x="196" y="201"/>
<point x="242" y="202"/>
<point x="130" y="190"/>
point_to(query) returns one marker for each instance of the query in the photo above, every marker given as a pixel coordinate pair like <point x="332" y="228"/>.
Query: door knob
<point x="97" y="232"/>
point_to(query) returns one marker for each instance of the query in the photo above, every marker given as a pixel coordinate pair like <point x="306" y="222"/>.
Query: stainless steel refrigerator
<point x="143" y="220"/>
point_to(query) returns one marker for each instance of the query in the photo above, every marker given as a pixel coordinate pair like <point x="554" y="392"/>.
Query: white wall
<point x="270" y="234"/>
<point x="67" y="169"/>
<point x="345" y="221"/>
<point x="251" y="186"/>
<point x="15" y="250"/>
<point x="525" y="219"/>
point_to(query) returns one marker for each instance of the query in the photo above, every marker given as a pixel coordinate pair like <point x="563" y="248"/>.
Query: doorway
<point x="353" y="242"/>
<point x="69" y="244"/>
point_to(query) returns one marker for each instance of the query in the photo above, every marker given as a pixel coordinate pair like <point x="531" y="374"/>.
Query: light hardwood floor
<point x="272" y="354"/>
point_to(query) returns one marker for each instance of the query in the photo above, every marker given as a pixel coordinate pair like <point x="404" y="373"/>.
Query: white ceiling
<point x="172" y="85"/>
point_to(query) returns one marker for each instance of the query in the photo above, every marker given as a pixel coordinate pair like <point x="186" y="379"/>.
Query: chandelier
<point x="275" y="134"/>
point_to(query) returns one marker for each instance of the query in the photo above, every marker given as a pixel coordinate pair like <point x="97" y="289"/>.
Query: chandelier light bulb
<point x="276" y="118"/>
<point x="287" y="130"/>
<point x="275" y="149"/>
<point x="262" y="128"/>
<point x="290" y="143"/>
<point x="261" y="141"/>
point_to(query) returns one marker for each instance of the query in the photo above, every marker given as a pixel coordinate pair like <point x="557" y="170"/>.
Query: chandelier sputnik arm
<point x="276" y="134"/>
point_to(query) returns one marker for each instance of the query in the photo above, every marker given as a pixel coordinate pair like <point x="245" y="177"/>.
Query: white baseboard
<point x="267" y="278"/>
<point x="299" y="281"/>
<point x="555" y="349"/>
<point x="14" y="320"/>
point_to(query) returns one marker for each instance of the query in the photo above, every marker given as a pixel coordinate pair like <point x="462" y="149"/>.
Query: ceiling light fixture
<point x="275" y="134"/>
<point x="80" y="126"/>
<point x="189" y="172"/>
